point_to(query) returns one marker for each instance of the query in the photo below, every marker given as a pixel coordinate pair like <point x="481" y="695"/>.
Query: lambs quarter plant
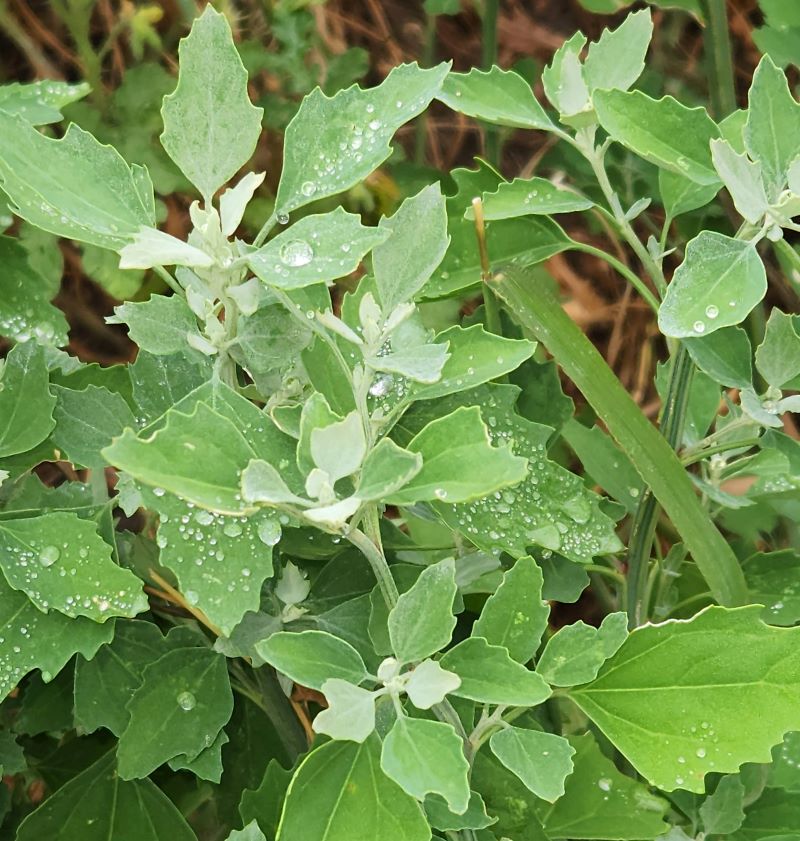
<point x="316" y="606"/>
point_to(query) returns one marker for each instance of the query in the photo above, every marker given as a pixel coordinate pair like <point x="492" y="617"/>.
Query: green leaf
<point x="785" y="770"/>
<point x="417" y="242"/>
<point x="422" y="621"/>
<point x="459" y="462"/>
<point x="731" y="711"/>
<point x="228" y="436"/>
<point x="427" y="757"/>
<point x="778" y="355"/>
<point x="333" y="143"/>
<point x="386" y="468"/>
<point x="565" y="85"/>
<point x="189" y="688"/>
<point x="420" y="363"/>
<point x="441" y="817"/>
<point x="772" y="581"/>
<point x="220" y="560"/>
<point x="721" y="811"/>
<point x="601" y="803"/>
<point x="682" y="195"/>
<point x="86" y="421"/>
<point x="339" y="793"/>
<point x="494" y="96"/>
<point x="529" y="197"/>
<point x="720" y="280"/>
<point x="104" y="683"/>
<point x="25" y="308"/>
<point x="312" y="657"/>
<point x="616" y="59"/>
<point x="26" y="404"/>
<point x="429" y="683"/>
<point x="268" y="341"/>
<point x="339" y="447"/>
<point x="159" y="382"/>
<point x="551" y="507"/>
<point x="743" y="179"/>
<point x="475" y="358"/>
<point x="490" y="676"/>
<point x="350" y="713"/>
<point x="60" y="562"/>
<point x="773" y="816"/>
<point x="159" y="325"/>
<point x="48" y="642"/>
<point x="541" y="760"/>
<point x="210" y="126"/>
<point x="772" y="131"/>
<point x="265" y="803"/>
<point x="73" y="187"/>
<point x="661" y="131"/>
<point x="315" y="249"/>
<point x="41" y="102"/>
<point x="515" y="616"/>
<point x="725" y="355"/>
<point x="151" y="247"/>
<point x="207" y="765"/>
<point x="97" y="805"/>
<point x="604" y="462"/>
<point x="576" y="652"/>
<point x="12" y="756"/>
<point x="250" y="833"/>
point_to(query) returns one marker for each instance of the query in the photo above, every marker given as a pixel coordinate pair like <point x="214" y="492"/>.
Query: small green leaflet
<point x="333" y="143"/>
<point x="441" y="817"/>
<point x="83" y="190"/>
<point x="210" y="126"/>
<point x="250" y="833"/>
<point x="515" y="616"/>
<point x="743" y="180"/>
<point x="315" y="249"/>
<point x="159" y="325"/>
<point x="725" y="355"/>
<point x="220" y="560"/>
<point x="616" y="59"/>
<point x="312" y="657"/>
<point x="35" y="640"/>
<point x="778" y="356"/>
<point x="565" y="85"/>
<point x="98" y="804"/>
<point x="422" y="621"/>
<point x="496" y="96"/>
<point x="719" y="282"/>
<point x="207" y="765"/>
<point x="416" y="244"/>
<point x="86" y="421"/>
<point x="772" y="581"/>
<point x="340" y="793"/>
<point x="575" y="653"/>
<point x="190" y="689"/>
<point x="676" y="725"/>
<point x="489" y="675"/>
<point x="41" y="102"/>
<point x="458" y="461"/>
<point x="60" y="562"/>
<point x="601" y="803"/>
<point x="661" y="131"/>
<point x="773" y="816"/>
<point x="350" y="713"/>
<point x="542" y="761"/>
<point x="386" y="468"/>
<point x="721" y="811"/>
<point x="25" y="308"/>
<point x="529" y="197"/>
<point x="427" y="757"/>
<point x="26" y="404"/>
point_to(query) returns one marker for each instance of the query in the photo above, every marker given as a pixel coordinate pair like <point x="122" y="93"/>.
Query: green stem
<point x="693" y="458"/>
<point x="169" y="280"/>
<point x="719" y="60"/>
<point x="261" y="236"/>
<point x="380" y="568"/>
<point x="538" y="310"/>
<point x="644" y="521"/>
<point x="491" y="9"/>
<point x="623" y="270"/>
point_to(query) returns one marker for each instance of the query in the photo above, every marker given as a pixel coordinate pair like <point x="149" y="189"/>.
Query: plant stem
<point x="646" y="516"/>
<point x="719" y="60"/>
<point x="490" y="306"/>
<point x="491" y="8"/>
<point x="538" y="310"/>
<point x="374" y="554"/>
<point x="632" y="278"/>
<point x="694" y="457"/>
<point x="262" y="235"/>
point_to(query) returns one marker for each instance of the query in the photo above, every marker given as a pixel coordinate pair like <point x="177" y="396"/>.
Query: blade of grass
<point x="537" y="309"/>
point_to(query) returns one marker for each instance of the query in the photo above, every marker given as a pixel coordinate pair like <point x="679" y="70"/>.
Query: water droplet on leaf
<point x="186" y="701"/>
<point x="296" y="253"/>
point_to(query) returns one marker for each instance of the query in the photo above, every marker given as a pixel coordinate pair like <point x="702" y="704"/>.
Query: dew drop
<point x="701" y="752"/>
<point x="699" y="327"/>
<point x="712" y="311"/>
<point x="269" y="532"/>
<point x="283" y="218"/>
<point x="159" y="491"/>
<point x="296" y="252"/>
<point x="232" y="529"/>
<point x="382" y="386"/>
<point x="192" y="597"/>
<point x="604" y="784"/>
<point x="308" y="188"/>
<point x="49" y="555"/>
<point x="440" y="493"/>
<point x="186" y="701"/>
